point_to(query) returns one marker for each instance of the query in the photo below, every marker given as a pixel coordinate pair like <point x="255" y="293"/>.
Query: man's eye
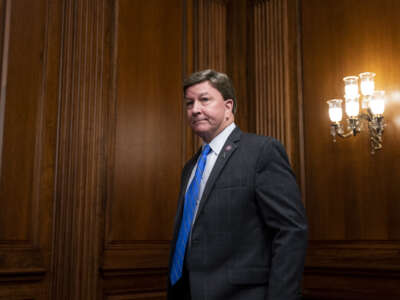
<point x="204" y="99"/>
<point x="189" y="103"/>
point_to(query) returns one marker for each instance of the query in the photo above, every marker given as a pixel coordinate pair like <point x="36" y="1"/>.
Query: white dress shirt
<point x="216" y="145"/>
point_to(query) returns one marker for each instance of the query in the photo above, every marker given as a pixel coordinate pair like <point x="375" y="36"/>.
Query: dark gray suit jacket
<point x="250" y="234"/>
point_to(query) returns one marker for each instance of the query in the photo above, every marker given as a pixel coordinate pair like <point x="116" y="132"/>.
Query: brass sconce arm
<point x="337" y="129"/>
<point x="376" y="127"/>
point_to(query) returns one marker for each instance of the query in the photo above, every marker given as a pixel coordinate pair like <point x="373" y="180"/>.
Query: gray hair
<point x="220" y="81"/>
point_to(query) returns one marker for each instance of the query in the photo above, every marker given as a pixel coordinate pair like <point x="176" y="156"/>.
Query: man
<point x="240" y="230"/>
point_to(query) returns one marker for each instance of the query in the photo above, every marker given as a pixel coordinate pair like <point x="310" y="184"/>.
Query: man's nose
<point x="196" y="108"/>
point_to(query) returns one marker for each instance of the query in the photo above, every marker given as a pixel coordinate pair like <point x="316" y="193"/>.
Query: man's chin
<point x="200" y="130"/>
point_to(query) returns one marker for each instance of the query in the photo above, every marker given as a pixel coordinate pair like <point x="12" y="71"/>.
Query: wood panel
<point x="363" y="194"/>
<point x="145" y="134"/>
<point x="275" y="98"/>
<point x="211" y="34"/>
<point x="237" y="59"/>
<point x="78" y="197"/>
<point x="28" y="118"/>
<point x="352" y="197"/>
<point x="139" y="296"/>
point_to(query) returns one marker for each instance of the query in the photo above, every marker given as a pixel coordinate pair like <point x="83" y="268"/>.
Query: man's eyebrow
<point x="200" y="95"/>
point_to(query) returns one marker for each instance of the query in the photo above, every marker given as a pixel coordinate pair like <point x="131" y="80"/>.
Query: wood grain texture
<point x="237" y="59"/>
<point x="21" y="129"/>
<point x="139" y="296"/>
<point x="146" y="142"/>
<point x="362" y="202"/>
<point x="274" y="76"/>
<point x="148" y="117"/>
<point x="75" y="262"/>
<point x="211" y="35"/>
<point x="352" y="197"/>
<point x="29" y="78"/>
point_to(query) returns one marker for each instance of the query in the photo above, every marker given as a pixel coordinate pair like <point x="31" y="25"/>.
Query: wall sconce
<point x="372" y="105"/>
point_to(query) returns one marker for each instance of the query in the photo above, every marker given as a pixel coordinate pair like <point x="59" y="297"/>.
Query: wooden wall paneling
<point x="211" y="35"/>
<point x="221" y="44"/>
<point x="75" y="261"/>
<point x="274" y="73"/>
<point x="188" y="60"/>
<point x="140" y="296"/>
<point x="144" y="144"/>
<point x="352" y="197"/>
<point x="237" y="58"/>
<point x="210" y="40"/>
<point x="28" y="140"/>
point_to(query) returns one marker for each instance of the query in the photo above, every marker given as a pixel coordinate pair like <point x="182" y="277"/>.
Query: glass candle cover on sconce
<point x="351" y="87"/>
<point x="352" y="107"/>
<point x="377" y="103"/>
<point x="335" y="110"/>
<point x="367" y="83"/>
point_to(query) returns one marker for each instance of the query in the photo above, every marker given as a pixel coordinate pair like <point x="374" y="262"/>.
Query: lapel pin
<point x="227" y="148"/>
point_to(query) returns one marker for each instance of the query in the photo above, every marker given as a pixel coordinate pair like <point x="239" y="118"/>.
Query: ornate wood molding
<point x="270" y="69"/>
<point x="25" y="275"/>
<point x="275" y="75"/>
<point x="77" y="223"/>
<point x="349" y="256"/>
<point x="5" y="16"/>
<point x="210" y="35"/>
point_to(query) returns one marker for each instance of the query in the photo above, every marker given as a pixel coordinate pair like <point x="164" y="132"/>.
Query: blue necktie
<point x="187" y="219"/>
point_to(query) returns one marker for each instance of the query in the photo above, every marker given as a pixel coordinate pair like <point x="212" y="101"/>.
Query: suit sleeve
<point x="279" y="201"/>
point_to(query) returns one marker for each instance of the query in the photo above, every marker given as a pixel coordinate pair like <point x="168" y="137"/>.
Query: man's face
<point x="207" y="111"/>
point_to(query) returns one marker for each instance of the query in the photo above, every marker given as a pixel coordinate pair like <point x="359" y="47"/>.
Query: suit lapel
<point x="227" y="150"/>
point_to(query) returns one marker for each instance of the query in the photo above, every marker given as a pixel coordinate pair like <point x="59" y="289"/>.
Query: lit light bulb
<point x="377" y="103"/>
<point x="352" y="107"/>
<point x="367" y="83"/>
<point x="335" y="110"/>
<point x="351" y="86"/>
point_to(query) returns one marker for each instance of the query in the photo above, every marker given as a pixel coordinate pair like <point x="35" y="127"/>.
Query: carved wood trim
<point x="25" y="275"/>
<point x="77" y="222"/>
<point x="269" y="69"/>
<point x="189" y="19"/>
<point x="210" y="41"/>
<point x="5" y="18"/>
<point x="139" y="296"/>
<point x="354" y="256"/>
<point x="210" y="35"/>
<point x="275" y="74"/>
<point x="141" y="256"/>
<point x="352" y="270"/>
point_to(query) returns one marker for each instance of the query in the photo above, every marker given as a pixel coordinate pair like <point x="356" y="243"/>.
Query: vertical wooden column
<point x="274" y="75"/>
<point x="75" y="262"/>
<point x="210" y="38"/>
<point x="211" y="35"/>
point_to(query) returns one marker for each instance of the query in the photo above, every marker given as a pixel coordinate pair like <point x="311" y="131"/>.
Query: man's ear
<point x="229" y="104"/>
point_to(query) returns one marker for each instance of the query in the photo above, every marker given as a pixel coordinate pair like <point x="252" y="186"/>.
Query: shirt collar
<point x="218" y="142"/>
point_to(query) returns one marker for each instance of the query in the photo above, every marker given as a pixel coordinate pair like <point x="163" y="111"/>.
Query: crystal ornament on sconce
<point x="372" y="108"/>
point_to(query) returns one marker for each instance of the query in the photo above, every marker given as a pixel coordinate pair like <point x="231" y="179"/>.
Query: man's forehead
<point x="200" y="89"/>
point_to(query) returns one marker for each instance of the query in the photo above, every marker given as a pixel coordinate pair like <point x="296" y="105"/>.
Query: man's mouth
<point x="198" y="121"/>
